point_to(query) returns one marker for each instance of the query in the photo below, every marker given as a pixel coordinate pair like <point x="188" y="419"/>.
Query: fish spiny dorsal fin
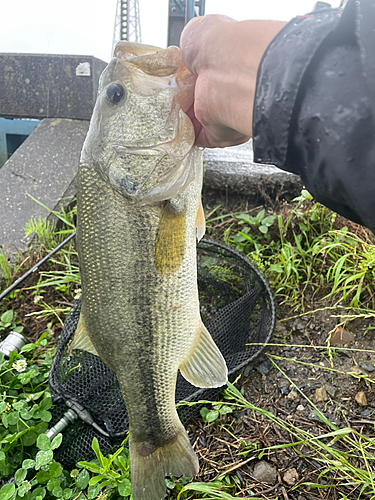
<point x="200" y="222"/>
<point x="204" y="366"/>
<point x="81" y="339"/>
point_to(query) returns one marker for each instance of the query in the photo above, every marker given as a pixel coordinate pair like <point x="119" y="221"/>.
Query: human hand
<point x="223" y="55"/>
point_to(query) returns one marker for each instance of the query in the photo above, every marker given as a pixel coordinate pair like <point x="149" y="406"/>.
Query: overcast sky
<point x="85" y="27"/>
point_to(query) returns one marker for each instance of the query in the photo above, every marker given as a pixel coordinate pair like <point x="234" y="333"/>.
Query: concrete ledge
<point x="231" y="177"/>
<point x="44" y="166"/>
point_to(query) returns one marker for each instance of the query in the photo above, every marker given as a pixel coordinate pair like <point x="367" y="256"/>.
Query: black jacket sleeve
<point x="314" y="107"/>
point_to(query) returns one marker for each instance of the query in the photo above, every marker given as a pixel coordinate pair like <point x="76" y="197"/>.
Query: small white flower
<point x="37" y="298"/>
<point x="20" y="365"/>
<point x="77" y="293"/>
<point x="8" y="407"/>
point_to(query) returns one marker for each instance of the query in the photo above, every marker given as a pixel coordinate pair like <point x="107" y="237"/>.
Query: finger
<point x="224" y="139"/>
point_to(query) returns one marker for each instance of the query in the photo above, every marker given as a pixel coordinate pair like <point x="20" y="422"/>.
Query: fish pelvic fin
<point x="81" y="339"/>
<point x="204" y="366"/>
<point x="148" y="471"/>
<point x="200" y="222"/>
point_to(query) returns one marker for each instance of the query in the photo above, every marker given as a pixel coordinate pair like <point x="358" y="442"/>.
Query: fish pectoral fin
<point x="170" y="239"/>
<point x="81" y="339"/>
<point x="200" y="222"/>
<point x="205" y="366"/>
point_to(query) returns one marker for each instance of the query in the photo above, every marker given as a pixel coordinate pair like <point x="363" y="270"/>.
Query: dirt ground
<point x="346" y="400"/>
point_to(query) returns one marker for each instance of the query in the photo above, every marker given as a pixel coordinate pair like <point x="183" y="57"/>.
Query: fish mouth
<point x="139" y="150"/>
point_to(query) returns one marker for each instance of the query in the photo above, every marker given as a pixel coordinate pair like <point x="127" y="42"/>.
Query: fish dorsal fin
<point x="200" y="222"/>
<point x="81" y="339"/>
<point x="204" y="366"/>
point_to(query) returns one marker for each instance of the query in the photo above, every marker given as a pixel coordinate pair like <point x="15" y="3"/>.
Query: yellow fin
<point x="201" y="222"/>
<point x="170" y="239"/>
<point x="204" y="366"/>
<point x="81" y="339"/>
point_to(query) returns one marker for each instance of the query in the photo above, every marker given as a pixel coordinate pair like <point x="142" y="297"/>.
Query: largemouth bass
<point x="139" y="215"/>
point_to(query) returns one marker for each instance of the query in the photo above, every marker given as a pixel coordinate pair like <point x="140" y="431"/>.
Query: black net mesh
<point x="237" y="307"/>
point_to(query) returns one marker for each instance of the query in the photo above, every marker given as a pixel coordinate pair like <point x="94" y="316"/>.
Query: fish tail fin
<point x="148" y="472"/>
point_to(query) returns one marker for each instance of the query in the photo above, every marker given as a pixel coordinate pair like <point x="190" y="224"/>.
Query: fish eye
<point x="115" y="93"/>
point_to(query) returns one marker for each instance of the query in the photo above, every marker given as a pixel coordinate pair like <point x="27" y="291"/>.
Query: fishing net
<point x="238" y="309"/>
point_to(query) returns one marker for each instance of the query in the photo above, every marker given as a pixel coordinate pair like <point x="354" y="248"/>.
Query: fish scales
<point x="148" y="315"/>
<point x="138" y="196"/>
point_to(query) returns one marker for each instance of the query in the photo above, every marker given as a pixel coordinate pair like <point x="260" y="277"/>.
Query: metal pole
<point x="129" y="13"/>
<point x="34" y="268"/>
<point x="189" y="12"/>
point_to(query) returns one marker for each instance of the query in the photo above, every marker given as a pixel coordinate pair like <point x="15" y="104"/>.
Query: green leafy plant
<point x="66" y="217"/>
<point x="62" y="273"/>
<point x="218" y="409"/>
<point x="8" y="323"/>
<point x="28" y="453"/>
<point x="42" y="477"/>
<point x="213" y="490"/>
<point x="261" y="222"/>
<point x="24" y="403"/>
<point x="111" y="472"/>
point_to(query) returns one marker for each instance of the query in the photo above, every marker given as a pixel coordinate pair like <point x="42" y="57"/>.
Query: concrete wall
<point x="48" y="86"/>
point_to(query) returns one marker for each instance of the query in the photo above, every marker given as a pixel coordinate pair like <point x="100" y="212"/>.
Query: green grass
<point x="305" y="253"/>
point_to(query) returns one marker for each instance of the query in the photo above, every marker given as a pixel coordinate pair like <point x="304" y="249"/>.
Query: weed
<point x="44" y="231"/>
<point x="112" y="473"/>
<point x="5" y="268"/>
<point x="209" y="416"/>
<point x="305" y="256"/>
<point x="27" y="452"/>
<point x="8" y="323"/>
<point x="345" y="451"/>
<point x="24" y="403"/>
<point x="261" y="221"/>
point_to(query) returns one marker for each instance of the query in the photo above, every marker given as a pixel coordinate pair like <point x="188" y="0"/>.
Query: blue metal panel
<point x="180" y="13"/>
<point x="17" y="126"/>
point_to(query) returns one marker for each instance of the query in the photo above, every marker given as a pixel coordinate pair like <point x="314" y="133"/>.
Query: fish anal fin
<point x="204" y="366"/>
<point x="200" y="222"/>
<point x="148" y="470"/>
<point x="81" y="339"/>
<point x="170" y="239"/>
